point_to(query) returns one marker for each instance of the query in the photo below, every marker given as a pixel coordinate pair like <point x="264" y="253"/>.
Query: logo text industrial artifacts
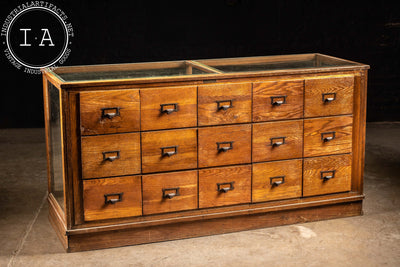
<point x="36" y="35"/>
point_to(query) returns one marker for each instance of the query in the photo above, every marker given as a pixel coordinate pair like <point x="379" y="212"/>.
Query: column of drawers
<point x="157" y="150"/>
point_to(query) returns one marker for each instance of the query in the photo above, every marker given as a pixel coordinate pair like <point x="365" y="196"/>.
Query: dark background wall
<point x="118" y="32"/>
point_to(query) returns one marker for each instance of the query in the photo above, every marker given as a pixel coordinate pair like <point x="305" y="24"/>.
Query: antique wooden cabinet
<point x="149" y="152"/>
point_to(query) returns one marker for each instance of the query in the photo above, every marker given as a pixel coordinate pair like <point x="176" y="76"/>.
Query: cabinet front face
<point x="277" y="140"/>
<point x="169" y="150"/>
<point x="328" y="96"/>
<point x="106" y="112"/>
<point x="224" y="145"/>
<point x="277" y="100"/>
<point x="168" y="192"/>
<point x="224" y="186"/>
<point x="168" y="107"/>
<point x="110" y="155"/>
<point x="112" y="198"/>
<point x="224" y="103"/>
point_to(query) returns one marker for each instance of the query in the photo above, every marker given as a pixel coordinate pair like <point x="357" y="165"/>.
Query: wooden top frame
<point x="206" y="69"/>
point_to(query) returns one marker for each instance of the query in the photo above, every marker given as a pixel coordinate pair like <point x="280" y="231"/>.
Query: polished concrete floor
<point x="27" y="239"/>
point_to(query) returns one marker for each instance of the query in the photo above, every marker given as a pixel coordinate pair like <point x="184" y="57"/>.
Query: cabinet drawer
<point x="112" y="198"/>
<point x="224" y="186"/>
<point x="169" y="107"/>
<point x="105" y="112"/>
<point x="277" y="140"/>
<point x="110" y="155"/>
<point x="224" y="145"/>
<point x="224" y="103"/>
<point x="276" y="100"/>
<point x="328" y="96"/>
<point x="277" y="180"/>
<point x="169" y="150"/>
<point x="169" y="192"/>
<point x="325" y="175"/>
<point x="324" y="136"/>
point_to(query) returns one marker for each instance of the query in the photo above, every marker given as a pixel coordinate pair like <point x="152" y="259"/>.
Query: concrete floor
<point x="27" y="239"/>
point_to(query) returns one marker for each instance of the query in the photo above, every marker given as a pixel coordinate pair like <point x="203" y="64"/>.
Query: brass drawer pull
<point x="222" y="104"/>
<point x="107" y="156"/>
<point x="278" y="141"/>
<point x="170" y="195"/>
<point x="327" y="175"/>
<point x="277" y="180"/>
<point x="278" y="100"/>
<point x="165" y="109"/>
<point x="328" y="136"/>
<point x="221" y="187"/>
<point x="110" y="113"/>
<point x="108" y="200"/>
<point x="328" y="97"/>
<point x="221" y="146"/>
<point x="169" y="151"/>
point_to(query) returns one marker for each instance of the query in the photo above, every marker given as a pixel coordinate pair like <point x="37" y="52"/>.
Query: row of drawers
<point x="132" y="110"/>
<point x="214" y="187"/>
<point x="168" y="150"/>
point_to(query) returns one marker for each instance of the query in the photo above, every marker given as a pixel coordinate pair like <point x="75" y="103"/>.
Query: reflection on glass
<point x="55" y="145"/>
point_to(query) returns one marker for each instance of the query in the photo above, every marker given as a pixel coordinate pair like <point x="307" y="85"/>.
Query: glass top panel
<point x="198" y="67"/>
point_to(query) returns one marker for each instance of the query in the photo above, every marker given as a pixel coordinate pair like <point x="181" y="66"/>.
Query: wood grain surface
<point x="95" y="166"/>
<point x="314" y="105"/>
<point x="314" y="145"/>
<point x="314" y="185"/>
<point x="263" y="148"/>
<point x="92" y="103"/>
<point x="264" y="110"/>
<point x="263" y="190"/>
<point x="153" y="185"/>
<point x="95" y="207"/>
<point x="239" y="94"/>
<point x="209" y="196"/>
<point x="185" y="158"/>
<point x="151" y="99"/>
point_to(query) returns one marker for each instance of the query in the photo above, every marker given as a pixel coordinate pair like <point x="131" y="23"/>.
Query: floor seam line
<point x="27" y="231"/>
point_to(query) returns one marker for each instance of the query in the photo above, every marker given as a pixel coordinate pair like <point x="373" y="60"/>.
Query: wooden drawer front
<point x="112" y="198"/>
<point x="224" y="145"/>
<point x="324" y="136"/>
<point x="169" y="150"/>
<point x="335" y="169"/>
<point x="276" y="100"/>
<point x="169" y="192"/>
<point x="107" y="112"/>
<point x="277" y="180"/>
<point x="224" y="103"/>
<point x="169" y="107"/>
<point x="110" y="155"/>
<point x="224" y="186"/>
<point x="328" y="96"/>
<point x="277" y="140"/>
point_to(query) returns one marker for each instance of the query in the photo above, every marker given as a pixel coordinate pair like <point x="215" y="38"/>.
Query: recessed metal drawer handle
<point x="225" y="187"/>
<point x="278" y="141"/>
<point x="277" y="180"/>
<point x="328" y="136"/>
<point x="107" y="156"/>
<point x="224" y="146"/>
<point x="170" y="195"/>
<point x="328" y="97"/>
<point x="110" y="113"/>
<point x="169" y="151"/>
<point x="278" y="100"/>
<point x="108" y="200"/>
<point x="327" y="175"/>
<point x="165" y="109"/>
<point x="222" y="104"/>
